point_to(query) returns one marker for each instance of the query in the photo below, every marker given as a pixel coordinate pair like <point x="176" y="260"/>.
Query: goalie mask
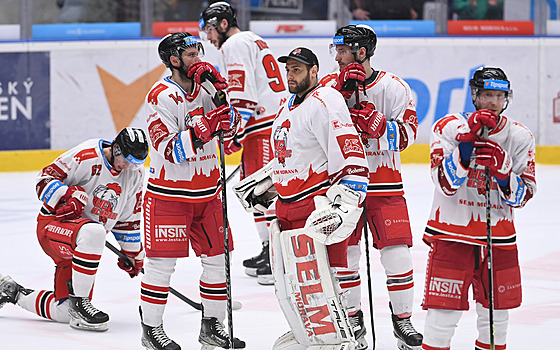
<point x="131" y="145"/>
<point x="489" y="78"/>
<point x="355" y="36"/>
<point x="174" y="44"/>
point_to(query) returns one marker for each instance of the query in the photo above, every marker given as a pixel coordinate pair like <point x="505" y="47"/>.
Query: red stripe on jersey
<point x="154" y="288"/>
<point x="153" y="94"/>
<point x="127" y="226"/>
<point x="85" y="154"/>
<point x="296" y="186"/>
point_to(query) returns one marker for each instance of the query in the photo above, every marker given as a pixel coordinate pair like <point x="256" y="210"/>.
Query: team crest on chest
<point x="281" y="151"/>
<point x="105" y="200"/>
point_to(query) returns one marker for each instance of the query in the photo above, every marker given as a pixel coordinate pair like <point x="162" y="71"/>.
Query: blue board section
<point x="402" y="28"/>
<point x="86" y="31"/>
<point x="24" y="101"/>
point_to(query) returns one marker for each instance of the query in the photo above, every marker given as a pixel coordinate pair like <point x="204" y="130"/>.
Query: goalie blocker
<point x="308" y="293"/>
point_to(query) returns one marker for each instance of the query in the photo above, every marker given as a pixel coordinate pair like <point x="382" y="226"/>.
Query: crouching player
<point x="91" y="189"/>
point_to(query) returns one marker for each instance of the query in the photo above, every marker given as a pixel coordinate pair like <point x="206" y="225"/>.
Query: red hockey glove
<point x="490" y="154"/>
<point x="214" y="121"/>
<point x="200" y="71"/>
<point x="71" y="204"/>
<point x="369" y="121"/>
<point x="134" y="264"/>
<point x="477" y="120"/>
<point x="349" y="78"/>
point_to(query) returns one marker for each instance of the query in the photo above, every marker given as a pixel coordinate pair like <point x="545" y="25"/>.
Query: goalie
<point x="318" y="178"/>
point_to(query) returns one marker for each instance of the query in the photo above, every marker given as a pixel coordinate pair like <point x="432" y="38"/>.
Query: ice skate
<point x="407" y="337"/>
<point x="212" y="333"/>
<point x="10" y="290"/>
<point x="264" y="275"/>
<point x="85" y="316"/>
<point x="252" y="264"/>
<point x="357" y="325"/>
<point x="154" y="338"/>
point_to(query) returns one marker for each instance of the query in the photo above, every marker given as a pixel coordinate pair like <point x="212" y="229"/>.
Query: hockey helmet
<point x="173" y="45"/>
<point x="355" y="36"/>
<point x="132" y="144"/>
<point x="490" y="78"/>
<point x="215" y="12"/>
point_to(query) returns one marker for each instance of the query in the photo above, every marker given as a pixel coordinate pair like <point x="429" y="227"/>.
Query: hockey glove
<point x="256" y="192"/>
<point x="216" y="120"/>
<point x="477" y="120"/>
<point x="491" y="155"/>
<point x="71" y="204"/>
<point x="369" y="121"/>
<point x="349" y="78"/>
<point x="335" y="216"/>
<point x="201" y="71"/>
<point x="134" y="264"/>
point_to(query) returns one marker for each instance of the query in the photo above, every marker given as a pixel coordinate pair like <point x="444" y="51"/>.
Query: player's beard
<point x="302" y="85"/>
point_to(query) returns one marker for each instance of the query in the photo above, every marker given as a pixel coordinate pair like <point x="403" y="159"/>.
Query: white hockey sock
<point x="154" y="289"/>
<point x="261" y="225"/>
<point x="349" y="278"/>
<point x="397" y="262"/>
<point x="439" y="327"/>
<point x="90" y="242"/>
<point x="42" y="303"/>
<point x="213" y="286"/>
<point x="501" y="318"/>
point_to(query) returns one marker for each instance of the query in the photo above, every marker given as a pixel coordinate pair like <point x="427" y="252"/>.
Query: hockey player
<point x="319" y="172"/>
<point x="89" y="190"/>
<point x="182" y="204"/>
<point x="256" y="89"/>
<point x="383" y="112"/>
<point x="457" y="228"/>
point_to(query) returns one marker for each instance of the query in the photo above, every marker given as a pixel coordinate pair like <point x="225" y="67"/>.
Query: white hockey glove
<point x="335" y="216"/>
<point x="256" y="191"/>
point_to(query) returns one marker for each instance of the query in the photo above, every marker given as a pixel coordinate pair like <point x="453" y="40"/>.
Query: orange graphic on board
<point x="126" y="99"/>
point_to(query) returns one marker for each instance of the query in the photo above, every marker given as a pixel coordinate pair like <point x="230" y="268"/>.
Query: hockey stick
<point x="173" y="291"/>
<point x="230" y="176"/>
<point x="219" y="100"/>
<point x="489" y="249"/>
<point x="368" y="269"/>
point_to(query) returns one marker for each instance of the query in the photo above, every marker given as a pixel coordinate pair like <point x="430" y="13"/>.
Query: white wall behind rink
<point x="438" y="70"/>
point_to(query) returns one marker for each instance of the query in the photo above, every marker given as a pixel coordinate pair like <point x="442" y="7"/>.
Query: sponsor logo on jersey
<point x="444" y="287"/>
<point x="236" y="80"/>
<point x="337" y="124"/>
<point x="171" y="232"/>
<point x="59" y="230"/>
<point x="351" y="146"/>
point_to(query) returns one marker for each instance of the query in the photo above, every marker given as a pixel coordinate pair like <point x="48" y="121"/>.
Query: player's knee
<point x="396" y="259"/>
<point x="440" y="326"/>
<point x="91" y="235"/>
<point x="213" y="267"/>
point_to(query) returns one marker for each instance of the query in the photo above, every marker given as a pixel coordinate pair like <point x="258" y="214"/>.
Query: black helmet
<point x="356" y="36"/>
<point x="132" y="145"/>
<point x="490" y="78"/>
<point x="215" y="12"/>
<point x="173" y="44"/>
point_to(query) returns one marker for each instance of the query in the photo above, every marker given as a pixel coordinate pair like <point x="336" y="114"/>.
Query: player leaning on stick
<point x="182" y="204"/>
<point x="89" y="190"/>
<point x="256" y="89"/>
<point x="319" y="173"/>
<point x="383" y="112"/>
<point x="457" y="229"/>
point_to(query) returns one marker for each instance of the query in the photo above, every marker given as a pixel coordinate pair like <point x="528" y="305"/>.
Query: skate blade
<point x="401" y="345"/>
<point x="207" y="347"/>
<point x="84" y="326"/>
<point x="251" y="271"/>
<point x="265" y="280"/>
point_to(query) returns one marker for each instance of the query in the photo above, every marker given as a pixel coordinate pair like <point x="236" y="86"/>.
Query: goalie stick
<point x="194" y="304"/>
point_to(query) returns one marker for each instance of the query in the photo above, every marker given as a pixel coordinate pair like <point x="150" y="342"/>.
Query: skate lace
<point x="159" y="334"/>
<point x="88" y="307"/>
<point x="405" y="326"/>
<point x="221" y="330"/>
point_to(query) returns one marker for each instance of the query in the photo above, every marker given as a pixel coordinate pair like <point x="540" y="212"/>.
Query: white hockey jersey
<point x="256" y="87"/>
<point x="316" y="146"/>
<point x="178" y="170"/>
<point x="115" y="198"/>
<point x="391" y="96"/>
<point x="459" y="206"/>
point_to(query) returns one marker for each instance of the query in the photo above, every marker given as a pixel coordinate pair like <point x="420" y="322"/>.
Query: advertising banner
<point x="86" y="31"/>
<point x="293" y="28"/>
<point x="472" y="27"/>
<point x="24" y="100"/>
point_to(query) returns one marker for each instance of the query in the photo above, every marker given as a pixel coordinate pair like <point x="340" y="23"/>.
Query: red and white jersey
<point x="459" y="206"/>
<point x="316" y="146"/>
<point x="256" y="87"/>
<point x="115" y="198"/>
<point x="391" y="96"/>
<point x="178" y="170"/>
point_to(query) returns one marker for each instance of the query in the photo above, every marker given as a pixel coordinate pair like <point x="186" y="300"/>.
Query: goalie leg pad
<point x="308" y="288"/>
